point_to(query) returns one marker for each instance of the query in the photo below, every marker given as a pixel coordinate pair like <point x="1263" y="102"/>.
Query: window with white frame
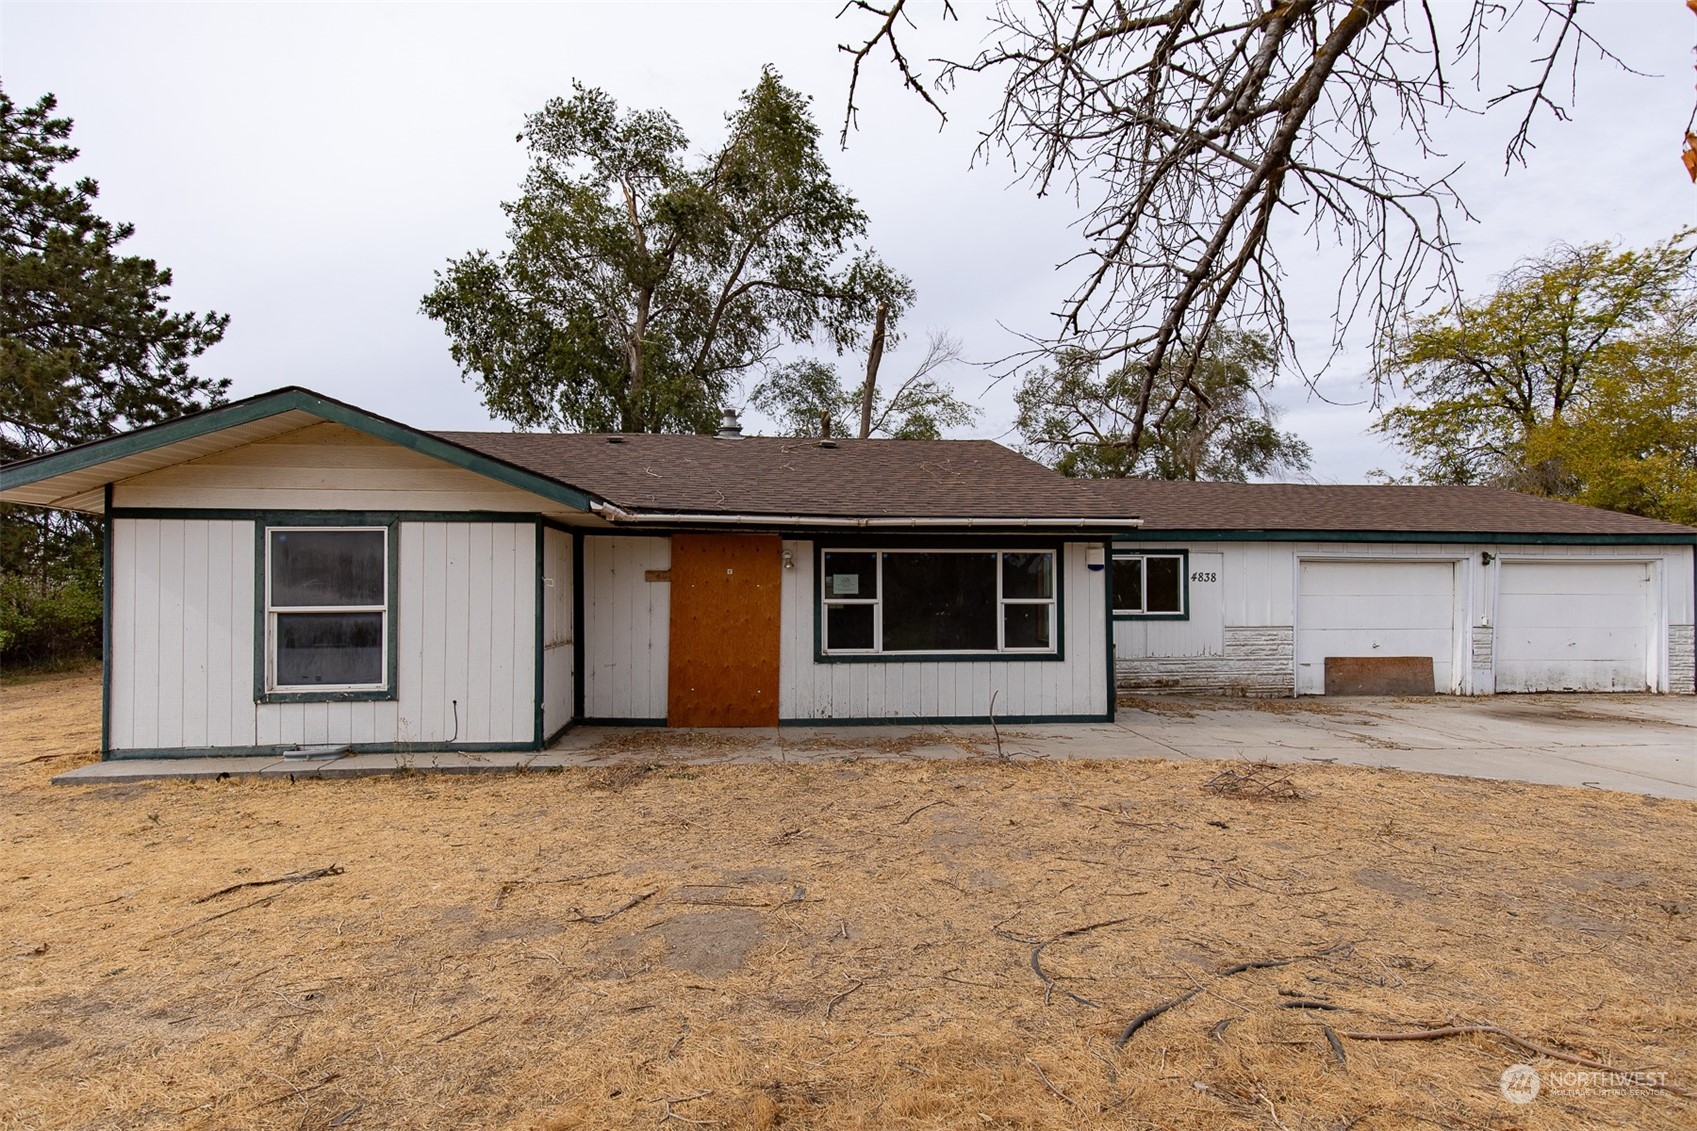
<point x="891" y="602"/>
<point x="1149" y="585"/>
<point x="326" y="608"/>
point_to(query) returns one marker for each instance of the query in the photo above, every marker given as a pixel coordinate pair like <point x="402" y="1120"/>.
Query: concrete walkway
<point x="1632" y="743"/>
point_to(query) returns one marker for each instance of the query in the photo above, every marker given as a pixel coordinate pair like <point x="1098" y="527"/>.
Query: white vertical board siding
<point x="626" y="627"/>
<point x="1576" y="626"/>
<point x="558" y="653"/>
<point x="930" y="689"/>
<point x="465" y="634"/>
<point x="182" y="634"/>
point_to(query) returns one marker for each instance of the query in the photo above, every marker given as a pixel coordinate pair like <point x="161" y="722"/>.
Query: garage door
<point x="1374" y="609"/>
<point x="1573" y="626"/>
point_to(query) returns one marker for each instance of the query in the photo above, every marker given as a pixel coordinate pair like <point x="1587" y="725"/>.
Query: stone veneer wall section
<point x="1256" y="661"/>
<point x="1682" y="659"/>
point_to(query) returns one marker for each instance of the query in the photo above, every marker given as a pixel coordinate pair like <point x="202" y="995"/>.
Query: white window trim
<point x="272" y="611"/>
<point x="826" y="602"/>
<point x="1142" y="559"/>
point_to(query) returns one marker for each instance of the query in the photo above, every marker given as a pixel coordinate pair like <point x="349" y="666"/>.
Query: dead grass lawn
<point x="835" y="944"/>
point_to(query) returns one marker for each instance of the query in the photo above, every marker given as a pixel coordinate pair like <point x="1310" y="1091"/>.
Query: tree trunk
<point x="874" y="355"/>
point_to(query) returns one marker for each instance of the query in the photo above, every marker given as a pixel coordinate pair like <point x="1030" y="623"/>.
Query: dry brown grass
<point x="827" y="945"/>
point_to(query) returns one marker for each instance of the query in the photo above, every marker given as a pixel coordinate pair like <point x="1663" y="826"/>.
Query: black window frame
<point x="1181" y="555"/>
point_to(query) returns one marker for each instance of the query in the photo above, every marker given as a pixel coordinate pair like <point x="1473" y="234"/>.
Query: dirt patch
<point x="711" y="943"/>
<point x="894" y="944"/>
<point x="1171" y="708"/>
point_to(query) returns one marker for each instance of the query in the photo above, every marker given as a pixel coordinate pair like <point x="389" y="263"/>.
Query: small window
<point x="1149" y="585"/>
<point x="919" y="602"/>
<point x="326" y="609"/>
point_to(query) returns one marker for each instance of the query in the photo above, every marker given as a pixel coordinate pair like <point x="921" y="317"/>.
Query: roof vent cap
<point x="729" y="427"/>
<point x="615" y="439"/>
<point x="827" y="442"/>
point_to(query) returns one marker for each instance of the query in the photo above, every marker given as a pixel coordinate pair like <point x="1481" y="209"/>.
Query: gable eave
<point x="74" y="479"/>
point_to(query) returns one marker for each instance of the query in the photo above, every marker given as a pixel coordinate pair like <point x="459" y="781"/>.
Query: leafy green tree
<point x="88" y="348"/>
<point x="1215" y="426"/>
<point x="1630" y="443"/>
<point x="639" y="287"/>
<point x="1561" y="334"/>
<point x="799" y="395"/>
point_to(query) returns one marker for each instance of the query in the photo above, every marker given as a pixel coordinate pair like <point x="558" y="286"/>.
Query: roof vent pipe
<point x="729" y="428"/>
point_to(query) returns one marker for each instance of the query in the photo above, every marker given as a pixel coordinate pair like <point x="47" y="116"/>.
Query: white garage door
<point x="1374" y="609"/>
<point x="1573" y="626"/>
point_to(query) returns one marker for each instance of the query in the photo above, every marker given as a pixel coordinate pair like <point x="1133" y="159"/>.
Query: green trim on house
<point x="106" y="626"/>
<point x="577" y="629"/>
<point x="1183" y="553"/>
<point x="292" y="399"/>
<point x="943" y="720"/>
<point x="930" y="542"/>
<point x="391" y="617"/>
<point x="376" y="518"/>
<point x="1112" y="700"/>
<point x="559" y="733"/>
<point x="174" y="752"/>
<point x="1669" y="539"/>
<point x="538" y="612"/>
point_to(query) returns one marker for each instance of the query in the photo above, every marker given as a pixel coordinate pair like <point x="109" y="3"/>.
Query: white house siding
<point x="1075" y="686"/>
<point x="182" y="634"/>
<point x="325" y="467"/>
<point x="626" y="627"/>
<point x="1259" y="584"/>
<point x="557" y="636"/>
<point x="183" y="620"/>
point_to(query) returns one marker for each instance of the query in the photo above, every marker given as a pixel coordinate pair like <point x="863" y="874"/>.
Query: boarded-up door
<point x="724" y="634"/>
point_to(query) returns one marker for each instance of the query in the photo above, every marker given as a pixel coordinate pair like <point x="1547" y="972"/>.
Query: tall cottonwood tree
<point x="802" y="395"/>
<point x="88" y="347"/>
<point x="639" y="286"/>
<point x="1077" y="415"/>
<point x="1203" y="136"/>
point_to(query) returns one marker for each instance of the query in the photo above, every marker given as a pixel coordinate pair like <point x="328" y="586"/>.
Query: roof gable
<point x="73" y="479"/>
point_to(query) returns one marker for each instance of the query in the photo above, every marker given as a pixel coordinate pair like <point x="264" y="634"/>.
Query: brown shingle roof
<point x="1368" y="508"/>
<point x="767" y="475"/>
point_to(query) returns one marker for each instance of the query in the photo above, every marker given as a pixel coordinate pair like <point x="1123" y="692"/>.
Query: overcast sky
<point x="306" y="167"/>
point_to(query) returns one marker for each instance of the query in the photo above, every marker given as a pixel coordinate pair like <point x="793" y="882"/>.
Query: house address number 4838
<point x="1204" y="577"/>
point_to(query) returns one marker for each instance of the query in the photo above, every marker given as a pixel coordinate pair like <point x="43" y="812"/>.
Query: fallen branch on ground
<point x="837" y="999"/>
<point x="922" y="808"/>
<point x="466" y="1028"/>
<point x="579" y="917"/>
<point x="293" y="878"/>
<point x="1036" y="961"/>
<point x="1542" y="1050"/>
<point x="1050" y="1084"/>
<point x="1258" y="781"/>
<point x="1153" y="1012"/>
<point x="509" y="886"/>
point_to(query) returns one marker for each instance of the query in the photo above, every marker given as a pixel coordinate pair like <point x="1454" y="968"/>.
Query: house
<point x="1281" y="589"/>
<point x="292" y="571"/>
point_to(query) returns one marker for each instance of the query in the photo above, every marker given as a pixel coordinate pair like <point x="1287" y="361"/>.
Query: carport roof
<point x="1318" y="509"/>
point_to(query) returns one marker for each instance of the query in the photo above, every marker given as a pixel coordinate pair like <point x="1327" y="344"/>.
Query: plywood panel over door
<point x="1363" y="608"/>
<point x="724" y="630"/>
<point x="1574" y="626"/>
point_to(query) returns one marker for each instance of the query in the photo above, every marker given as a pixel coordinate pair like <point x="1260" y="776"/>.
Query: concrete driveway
<point x="1632" y="743"/>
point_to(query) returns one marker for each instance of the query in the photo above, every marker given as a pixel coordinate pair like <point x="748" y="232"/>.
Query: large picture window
<point x="326" y="609"/>
<point x="1149" y="585"/>
<point x="895" y="602"/>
